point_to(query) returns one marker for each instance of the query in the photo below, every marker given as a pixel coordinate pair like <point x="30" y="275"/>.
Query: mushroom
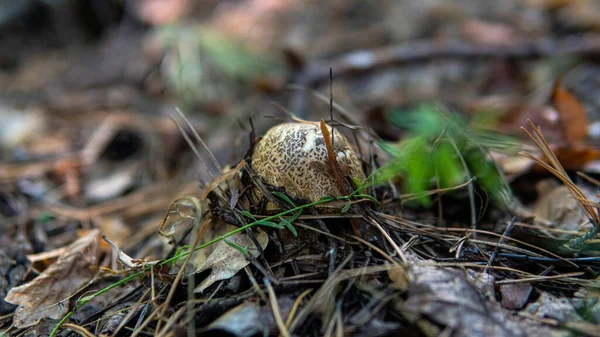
<point x="294" y="156"/>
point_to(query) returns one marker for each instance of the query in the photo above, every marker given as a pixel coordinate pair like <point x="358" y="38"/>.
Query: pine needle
<point x="591" y="209"/>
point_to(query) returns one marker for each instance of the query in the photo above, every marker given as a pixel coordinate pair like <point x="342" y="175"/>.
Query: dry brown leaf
<point x="573" y="117"/>
<point x="571" y="158"/>
<point x="225" y="261"/>
<point x="557" y="205"/>
<point x="40" y="261"/>
<point x="574" y="158"/>
<point x="47" y="296"/>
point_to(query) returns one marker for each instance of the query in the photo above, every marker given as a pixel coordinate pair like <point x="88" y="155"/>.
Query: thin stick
<point x="331" y="105"/>
<point x="290" y="317"/>
<point x="283" y="330"/>
<point x="199" y="139"/>
<point x="390" y="240"/>
<point x="78" y="329"/>
<point x="541" y="278"/>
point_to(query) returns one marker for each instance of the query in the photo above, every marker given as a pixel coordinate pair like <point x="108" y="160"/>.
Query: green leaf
<point x="326" y="199"/>
<point x="449" y="168"/>
<point x="488" y="176"/>
<point x="366" y="196"/>
<point x="248" y="214"/>
<point x="295" y="216"/>
<point x="346" y="208"/>
<point x="358" y="185"/>
<point x="289" y="226"/>
<point x="243" y="250"/>
<point x="45" y="217"/>
<point x="284" y="197"/>
<point x="267" y="223"/>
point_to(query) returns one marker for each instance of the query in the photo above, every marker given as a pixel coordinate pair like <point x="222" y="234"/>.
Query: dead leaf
<point x="40" y="261"/>
<point x="573" y="116"/>
<point x="557" y="205"/>
<point x="451" y="301"/>
<point x="127" y="260"/>
<point x="553" y="307"/>
<point x="47" y="296"/>
<point x="574" y="158"/>
<point x="512" y="165"/>
<point x="225" y="261"/>
<point x="248" y="319"/>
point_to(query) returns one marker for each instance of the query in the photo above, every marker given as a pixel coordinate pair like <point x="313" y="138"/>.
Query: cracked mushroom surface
<point x="294" y="156"/>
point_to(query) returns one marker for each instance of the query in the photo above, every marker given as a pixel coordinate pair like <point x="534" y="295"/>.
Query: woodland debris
<point x="225" y="260"/>
<point x="48" y="295"/>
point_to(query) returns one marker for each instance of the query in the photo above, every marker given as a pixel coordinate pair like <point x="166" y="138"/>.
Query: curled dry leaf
<point x="41" y="261"/>
<point x="225" y="260"/>
<point x="126" y="260"/>
<point x="47" y="295"/>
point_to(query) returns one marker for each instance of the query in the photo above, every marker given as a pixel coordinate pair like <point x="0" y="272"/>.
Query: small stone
<point x="515" y="296"/>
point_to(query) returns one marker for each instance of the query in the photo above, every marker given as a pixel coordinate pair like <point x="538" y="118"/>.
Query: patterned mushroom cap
<point x="294" y="156"/>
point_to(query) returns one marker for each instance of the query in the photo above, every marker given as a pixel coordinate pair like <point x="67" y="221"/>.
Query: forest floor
<point x="452" y="189"/>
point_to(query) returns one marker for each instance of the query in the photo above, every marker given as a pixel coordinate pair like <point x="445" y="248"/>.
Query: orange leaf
<point x="573" y="117"/>
<point x="572" y="158"/>
<point x="576" y="158"/>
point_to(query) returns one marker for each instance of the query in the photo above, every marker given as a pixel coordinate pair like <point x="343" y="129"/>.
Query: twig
<point x="500" y="241"/>
<point x="540" y="278"/>
<point x="290" y="317"/>
<point x="283" y="330"/>
<point x="390" y="240"/>
<point x="364" y="60"/>
<point x="78" y="329"/>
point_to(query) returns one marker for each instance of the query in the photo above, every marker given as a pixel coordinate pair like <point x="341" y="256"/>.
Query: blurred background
<point x="222" y="61"/>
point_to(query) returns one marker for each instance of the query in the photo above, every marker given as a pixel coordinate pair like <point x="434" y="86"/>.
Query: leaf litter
<point x="48" y="295"/>
<point x="227" y="257"/>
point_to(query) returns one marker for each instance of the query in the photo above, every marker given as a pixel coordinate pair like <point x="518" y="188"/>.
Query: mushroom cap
<point x="294" y="156"/>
